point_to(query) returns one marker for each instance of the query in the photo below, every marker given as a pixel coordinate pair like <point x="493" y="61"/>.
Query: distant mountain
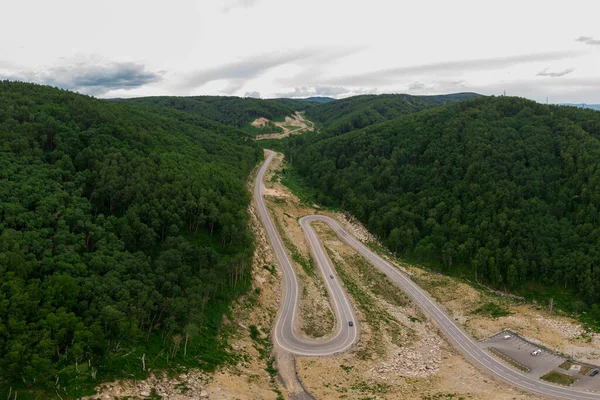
<point x="357" y="112"/>
<point x="319" y="99"/>
<point x="582" y="105"/>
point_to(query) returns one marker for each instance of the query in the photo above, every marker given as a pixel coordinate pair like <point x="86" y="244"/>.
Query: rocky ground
<point x="532" y="321"/>
<point x="297" y="121"/>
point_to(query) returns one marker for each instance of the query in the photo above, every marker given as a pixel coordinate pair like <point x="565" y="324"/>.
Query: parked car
<point x="506" y="337"/>
<point x="536" y="352"/>
<point x="351" y="323"/>
<point x="594" y="372"/>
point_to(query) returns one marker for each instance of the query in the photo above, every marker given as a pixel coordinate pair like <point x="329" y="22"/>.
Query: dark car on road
<point x="594" y="372"/>
<point x="352" y="324"/>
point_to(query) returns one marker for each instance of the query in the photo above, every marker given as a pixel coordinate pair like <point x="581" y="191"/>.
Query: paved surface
<point x="285" y="334"/>
<point x="520" y="350"/>
<point x="345" y="336"/>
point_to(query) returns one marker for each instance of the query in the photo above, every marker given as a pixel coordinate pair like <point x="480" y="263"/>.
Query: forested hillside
<point x="357" y="112"/>
<point x="123" y="234"/>
<point x="233" y="111"/>
<point x="504" y="190"/>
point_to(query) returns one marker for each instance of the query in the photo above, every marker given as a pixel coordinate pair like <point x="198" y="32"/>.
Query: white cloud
<point x="232" y="4"/>
<point x="319" y="91"/>
<point x="273" y="47"/>
<point x="556" y="74"/>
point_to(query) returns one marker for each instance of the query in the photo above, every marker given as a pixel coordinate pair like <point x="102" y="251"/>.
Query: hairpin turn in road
<point x="346" y="335"/>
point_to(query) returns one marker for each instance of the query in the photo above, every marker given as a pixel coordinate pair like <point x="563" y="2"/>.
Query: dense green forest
<point x="233" y="111"/>
<point x="357" y="112"/>
<point x="502" y="190"/>
<point x="123" y="236"/>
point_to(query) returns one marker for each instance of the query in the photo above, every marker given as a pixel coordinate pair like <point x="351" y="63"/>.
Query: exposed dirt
<point x="259" y="122"/>
<point x="557" y="332"/>
<point x="297" y="121"/>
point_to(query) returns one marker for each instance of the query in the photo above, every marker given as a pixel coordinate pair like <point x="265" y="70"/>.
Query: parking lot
<point x="519" y="350"/>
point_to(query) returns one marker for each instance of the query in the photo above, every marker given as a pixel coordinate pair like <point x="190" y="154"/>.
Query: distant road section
<point x="346" y="335"/>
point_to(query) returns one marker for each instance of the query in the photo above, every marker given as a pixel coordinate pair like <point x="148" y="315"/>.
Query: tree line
<point x="502" y="190"/>
<point x="356" y="112"/>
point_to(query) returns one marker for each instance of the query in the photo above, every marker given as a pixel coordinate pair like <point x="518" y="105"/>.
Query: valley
<point x="286" y="294"/>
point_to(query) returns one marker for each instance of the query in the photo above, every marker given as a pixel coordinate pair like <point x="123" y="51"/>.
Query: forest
<point x="123" y="237"/>
<point x="501" y="190"/>
<point x="228" y="110"/>
<point x="357" y="112"/>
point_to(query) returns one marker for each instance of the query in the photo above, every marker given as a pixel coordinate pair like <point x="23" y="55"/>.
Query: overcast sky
<point x="274" y="48"/>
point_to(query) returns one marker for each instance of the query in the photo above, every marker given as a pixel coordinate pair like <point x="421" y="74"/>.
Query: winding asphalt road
<point x="285" y="334"/>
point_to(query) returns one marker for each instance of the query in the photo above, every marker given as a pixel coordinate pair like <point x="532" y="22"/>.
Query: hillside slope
<point x="228" y="110"/>
<point x="341" y="116"/>
<point x="503" y="189"/>
<point x="123" y="234"/>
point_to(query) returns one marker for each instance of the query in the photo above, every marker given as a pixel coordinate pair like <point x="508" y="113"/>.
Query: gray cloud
<point x="239" y="72"/>
<point x="416" y="86"/>
<point x="557" y="74"/>
<point x="392" y="75"/>
<point x="255" y="95"/>
<point x="90" y="77"/>
<point x="309" y="91"/>
<point x="588" y="40"/>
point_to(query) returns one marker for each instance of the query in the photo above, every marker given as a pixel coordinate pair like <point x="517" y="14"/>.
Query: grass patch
<point x="264" y="346"/>
<point x="380" y="283"/>
<point x="346" y="368"/>
<point x="559" y="378"/>
<point x="566" y="365"/>
<point x="507" y="359"/>
<point x="377" y="317"/>
<point x="585" y="370"/>
<point x="492" y="310"/>
<point x="374" y="388"/>
<point x="442" y="396"/>
<point x="305" y="262"/>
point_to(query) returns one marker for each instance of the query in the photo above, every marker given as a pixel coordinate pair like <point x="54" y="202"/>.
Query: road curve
<point x="285" y="334"/>
<point x="345" y="336"/>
